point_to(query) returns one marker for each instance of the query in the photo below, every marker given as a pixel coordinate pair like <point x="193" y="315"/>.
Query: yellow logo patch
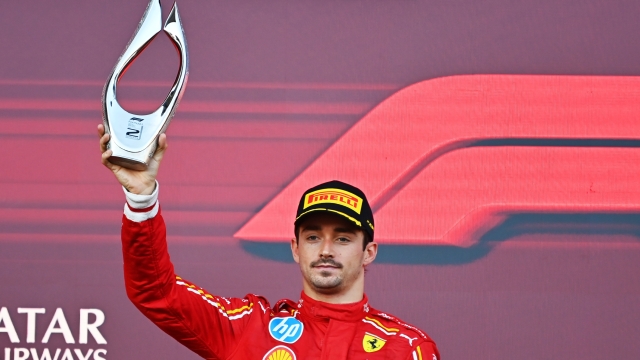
<point x="280" y="352"/>
<point x="372" y="343"/>
<point x="334" y="196"/>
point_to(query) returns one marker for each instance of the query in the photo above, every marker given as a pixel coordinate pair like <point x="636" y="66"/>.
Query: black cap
<point x="339" y="198"/>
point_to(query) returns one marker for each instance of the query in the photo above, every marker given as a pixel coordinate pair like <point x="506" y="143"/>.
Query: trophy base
<point x="128" y="163"/>
<point x="131" y="160"/>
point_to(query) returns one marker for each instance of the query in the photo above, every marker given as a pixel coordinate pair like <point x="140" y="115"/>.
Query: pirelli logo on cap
<point x="334" y="196"/>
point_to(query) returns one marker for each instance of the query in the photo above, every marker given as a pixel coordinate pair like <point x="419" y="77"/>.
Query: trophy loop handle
<point x="134" y="136"/>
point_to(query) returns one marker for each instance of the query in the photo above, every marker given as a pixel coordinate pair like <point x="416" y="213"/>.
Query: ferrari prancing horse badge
<point x="372" y="343"/>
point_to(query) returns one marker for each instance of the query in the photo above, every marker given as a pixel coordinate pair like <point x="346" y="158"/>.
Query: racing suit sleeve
<point x="209" y="325"/>
<point x="425" y="350"/>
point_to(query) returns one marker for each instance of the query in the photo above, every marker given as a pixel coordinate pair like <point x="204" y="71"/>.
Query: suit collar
<point x="319" y="310"/>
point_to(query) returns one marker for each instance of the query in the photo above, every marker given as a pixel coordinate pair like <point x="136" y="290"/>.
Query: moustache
<point x="326" y="262"/>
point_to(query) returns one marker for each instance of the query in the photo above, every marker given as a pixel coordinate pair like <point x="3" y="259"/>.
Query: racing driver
<point x="333" y="320"/>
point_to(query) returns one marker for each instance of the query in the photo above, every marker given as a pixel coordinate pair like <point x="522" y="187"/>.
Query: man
<point x="333" y="244"/>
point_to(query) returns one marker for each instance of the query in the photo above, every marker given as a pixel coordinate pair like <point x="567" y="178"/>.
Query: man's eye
<point x="343" y="239"/>
<point x="312" y="237"/>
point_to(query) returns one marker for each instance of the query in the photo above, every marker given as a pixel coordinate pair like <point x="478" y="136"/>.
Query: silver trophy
<point x="134" y="137"/>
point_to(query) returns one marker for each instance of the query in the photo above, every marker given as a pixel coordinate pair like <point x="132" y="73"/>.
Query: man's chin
<point x="326" y="285"/>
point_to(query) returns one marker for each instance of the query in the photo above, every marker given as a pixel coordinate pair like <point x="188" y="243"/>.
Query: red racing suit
<point x="249" y="328"/>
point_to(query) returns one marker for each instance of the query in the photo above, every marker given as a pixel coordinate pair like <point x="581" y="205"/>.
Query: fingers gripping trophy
<point x="132" y="145"/>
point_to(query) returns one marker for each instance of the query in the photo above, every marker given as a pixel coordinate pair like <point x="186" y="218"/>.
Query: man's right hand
<point x="140" y="182"/>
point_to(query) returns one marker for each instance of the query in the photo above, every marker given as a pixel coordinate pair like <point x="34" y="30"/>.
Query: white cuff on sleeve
<point x="141" y="207"/>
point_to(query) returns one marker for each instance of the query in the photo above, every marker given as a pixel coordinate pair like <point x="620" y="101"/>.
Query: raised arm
<point x="209" y="325"/>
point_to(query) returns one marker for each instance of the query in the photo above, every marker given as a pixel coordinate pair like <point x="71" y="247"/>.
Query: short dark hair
<point x="367" y="238"/>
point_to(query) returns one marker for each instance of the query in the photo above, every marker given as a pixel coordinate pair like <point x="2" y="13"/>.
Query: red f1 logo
<point x="445" y="160"/>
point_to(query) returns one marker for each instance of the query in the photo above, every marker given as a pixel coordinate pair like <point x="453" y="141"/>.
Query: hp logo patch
<point x="287" y="329"/>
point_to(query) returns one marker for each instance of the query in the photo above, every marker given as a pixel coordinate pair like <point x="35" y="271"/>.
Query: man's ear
<point x="370" y="253"/>
<point x="294" y="250"/>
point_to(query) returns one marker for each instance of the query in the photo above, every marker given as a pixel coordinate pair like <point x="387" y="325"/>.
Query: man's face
<point x="330" y="252"/>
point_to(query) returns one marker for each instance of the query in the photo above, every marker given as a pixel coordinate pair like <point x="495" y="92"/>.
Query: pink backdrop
<point x="538" y="173"/>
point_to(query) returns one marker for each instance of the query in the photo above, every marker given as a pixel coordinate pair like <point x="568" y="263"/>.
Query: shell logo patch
<point x="280" y="352"/>
<point x="372" y="343"/>
<point x="286" y="329"/>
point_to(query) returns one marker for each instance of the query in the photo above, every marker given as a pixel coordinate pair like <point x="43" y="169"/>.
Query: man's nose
<point x="326" y="251"/>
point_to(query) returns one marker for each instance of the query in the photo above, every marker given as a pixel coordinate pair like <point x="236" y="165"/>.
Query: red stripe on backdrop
<point x="231" y="162"/>
<point x="82" y="217"/>
<point x="195" y="106"/>
<point x="234" y="129"/>
<point x="108" y="195"/>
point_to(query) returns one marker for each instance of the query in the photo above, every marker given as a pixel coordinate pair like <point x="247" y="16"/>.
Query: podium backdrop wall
<point x="498" y="140"/>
